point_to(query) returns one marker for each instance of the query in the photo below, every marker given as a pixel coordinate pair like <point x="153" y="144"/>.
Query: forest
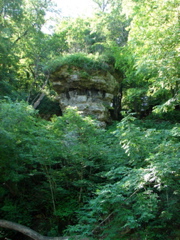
<point x="61" y="174"/>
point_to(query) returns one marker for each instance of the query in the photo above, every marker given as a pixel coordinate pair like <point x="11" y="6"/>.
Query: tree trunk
<point x="36" y="104"/>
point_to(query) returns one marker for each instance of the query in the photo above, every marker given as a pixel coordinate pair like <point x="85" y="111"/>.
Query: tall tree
<point x="20" y="26"/>
<point x="154" y="41"/>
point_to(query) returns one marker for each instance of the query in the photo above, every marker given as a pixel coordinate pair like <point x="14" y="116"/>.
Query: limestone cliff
<point x="91" y="92"/>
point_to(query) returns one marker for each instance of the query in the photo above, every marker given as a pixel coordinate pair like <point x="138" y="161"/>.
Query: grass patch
<point x="86" y="62"/>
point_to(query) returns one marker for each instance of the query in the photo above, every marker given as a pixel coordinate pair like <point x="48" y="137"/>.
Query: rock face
<point x="92" y="93"/>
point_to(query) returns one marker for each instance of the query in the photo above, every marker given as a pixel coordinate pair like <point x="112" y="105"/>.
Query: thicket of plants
<point x="117" y="183"/>
<point x="65" y="175"/>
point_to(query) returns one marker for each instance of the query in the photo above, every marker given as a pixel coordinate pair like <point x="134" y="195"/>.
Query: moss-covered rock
<point x="90" y="90"/>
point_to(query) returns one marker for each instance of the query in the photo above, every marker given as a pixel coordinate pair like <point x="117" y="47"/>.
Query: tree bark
<point x="38" y="99"/>
<point x="27" y="231"/>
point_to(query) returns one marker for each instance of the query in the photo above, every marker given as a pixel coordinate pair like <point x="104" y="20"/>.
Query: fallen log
<point x="31" y="233"/>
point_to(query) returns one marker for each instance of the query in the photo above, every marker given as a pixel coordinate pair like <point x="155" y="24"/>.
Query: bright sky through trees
<point x="68" y="8"/>
<point x="75" y="8"/>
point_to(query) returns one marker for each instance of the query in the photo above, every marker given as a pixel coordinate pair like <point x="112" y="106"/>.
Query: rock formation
<point x="92" y="93"/>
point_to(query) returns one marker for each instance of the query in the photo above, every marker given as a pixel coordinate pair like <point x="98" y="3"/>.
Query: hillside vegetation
<point x="63" y="174"/>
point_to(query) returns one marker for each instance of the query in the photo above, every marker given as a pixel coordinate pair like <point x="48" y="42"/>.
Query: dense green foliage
<point x="151" y="57"/>
<point x="140" y="195"/>
<point x="65" y="175"/>
<point x="115" y="183"/>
